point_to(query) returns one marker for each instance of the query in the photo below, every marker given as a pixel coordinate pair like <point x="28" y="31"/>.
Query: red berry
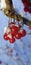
<point x="26" y="9"/>
<point x="18" y="35"/>
<point x="30" y="27"/>
<point x="25" y="4"/>
<point x="5" y="36"/>
<point x="23" y="33"/>
<point x="14" y="29"/>
<point x="12" y="40"/>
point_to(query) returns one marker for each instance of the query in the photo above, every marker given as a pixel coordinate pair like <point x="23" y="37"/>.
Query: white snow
<point x="2" y="4"/>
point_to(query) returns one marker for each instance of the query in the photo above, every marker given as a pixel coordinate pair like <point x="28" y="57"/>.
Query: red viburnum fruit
<point x="18" y="35"/>
<point x="12" y="40"/>
<point x="14" y="30"/>
<point x="5" y="37"/>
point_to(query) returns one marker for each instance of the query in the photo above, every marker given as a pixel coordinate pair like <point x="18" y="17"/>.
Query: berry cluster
<point x="27" y="6"/>
<point x="14" y="32"/>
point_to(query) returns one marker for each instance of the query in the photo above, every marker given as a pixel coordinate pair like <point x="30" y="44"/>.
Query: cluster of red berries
<point x="27" y="6"/>
<point x="14" y="31"/>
